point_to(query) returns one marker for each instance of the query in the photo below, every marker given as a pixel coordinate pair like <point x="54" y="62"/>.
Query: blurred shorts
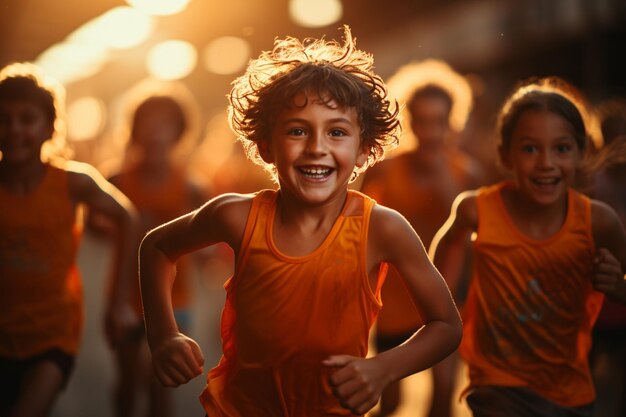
<point x="13" y="370"/>
<point x="495" y="401"/>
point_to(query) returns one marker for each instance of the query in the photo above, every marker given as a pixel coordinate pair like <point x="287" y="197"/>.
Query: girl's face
<point x="24" y="128"/>
<point x="315" y="149"/>
<point x="543" y="156"/>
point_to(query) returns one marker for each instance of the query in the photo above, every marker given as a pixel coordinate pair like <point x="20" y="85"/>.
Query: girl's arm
<point x="359" y="382"/>
<point x="610" y="261"/>
<point x="87" y="186"/>
<point x="450" y="246"/>
<point x="177" y="358"/>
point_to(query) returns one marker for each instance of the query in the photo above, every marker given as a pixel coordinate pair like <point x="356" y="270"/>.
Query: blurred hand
<point x="119" y="323"/>
<point x="607" y="272"/>
<point x="357" y="383"/>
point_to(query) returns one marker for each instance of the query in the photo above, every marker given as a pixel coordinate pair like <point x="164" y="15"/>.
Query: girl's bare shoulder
<point x="604" y="220"/>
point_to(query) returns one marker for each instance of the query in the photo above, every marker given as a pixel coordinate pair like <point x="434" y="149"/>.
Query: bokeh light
<point x="69" y="62"/>
<point x="315" y="13"/>
<point x="172" y="60"/>
<point x="159" y="7"/>
<point x="85" y="118"/>
<point x="226" y="55"/>
<point x="120" y="28"/>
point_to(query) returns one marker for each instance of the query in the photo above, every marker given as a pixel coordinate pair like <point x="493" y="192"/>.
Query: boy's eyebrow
<point x="306" y="121"/>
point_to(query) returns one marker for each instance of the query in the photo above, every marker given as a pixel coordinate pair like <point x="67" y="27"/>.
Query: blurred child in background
<point x="421" y="184"/>
<point x="40" y="289"/>
<point x="608" y="355"/>
<point x="158" y="184"/>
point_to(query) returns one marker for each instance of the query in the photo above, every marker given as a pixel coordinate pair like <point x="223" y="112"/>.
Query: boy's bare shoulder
<point x="385" y="221"/>
<point x="232" y="200"/>
<point x="228" y="207"/>
<point x="227" y="214"/>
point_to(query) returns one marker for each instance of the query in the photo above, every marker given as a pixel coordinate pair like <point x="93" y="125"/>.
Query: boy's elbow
<point x="148" y="243"/>
<point x="457" y="334"/>
<point x="150" y="247"/>
<point x="455" y="330"/>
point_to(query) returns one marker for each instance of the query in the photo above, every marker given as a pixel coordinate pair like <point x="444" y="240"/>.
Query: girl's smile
<point x="543" y="156"/>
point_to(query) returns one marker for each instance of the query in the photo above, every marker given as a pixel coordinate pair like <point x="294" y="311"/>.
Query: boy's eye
<point x="296" y="131"/>
<point x="337" y="132"/>
<point x="529" y="148"/>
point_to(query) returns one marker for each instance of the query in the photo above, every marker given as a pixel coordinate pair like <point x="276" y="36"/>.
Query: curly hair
<point x="337" y="73"/>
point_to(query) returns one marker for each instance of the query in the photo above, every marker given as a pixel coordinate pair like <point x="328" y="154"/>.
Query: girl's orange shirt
<point x="41" y="298"/>
<point x="284" y="315"/>
<point x="531" y="305"/>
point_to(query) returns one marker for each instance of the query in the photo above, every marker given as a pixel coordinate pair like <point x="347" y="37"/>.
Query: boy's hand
<point x="120" y="322"/>
<point x="357" y="383"/>
<point x="177" y="360"/>
<point x="608" y="276"/>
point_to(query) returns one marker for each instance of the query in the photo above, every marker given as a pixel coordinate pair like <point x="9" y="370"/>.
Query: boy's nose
<point x="316" y="144"/>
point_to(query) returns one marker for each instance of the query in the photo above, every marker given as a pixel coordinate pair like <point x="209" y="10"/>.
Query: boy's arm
<point x="177" y="358"/>
<point x="610" y="260"/>
<point x="359" y="382"/>
<point x="89" y="187"/>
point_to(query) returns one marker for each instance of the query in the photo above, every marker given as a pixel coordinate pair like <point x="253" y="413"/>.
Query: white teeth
<point x="546" y="181"/>
<point x="315" y="172"/>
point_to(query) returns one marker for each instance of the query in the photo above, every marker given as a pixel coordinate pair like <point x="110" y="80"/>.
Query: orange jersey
<point x="531" y="306"/>
<point x="284" y="315"/>
<point x="426" y="205"/>
<point x="40" y="289"/>
<point x="156" y="207"/>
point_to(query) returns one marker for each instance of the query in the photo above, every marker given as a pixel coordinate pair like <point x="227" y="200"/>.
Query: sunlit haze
<point x="172" y="60"/>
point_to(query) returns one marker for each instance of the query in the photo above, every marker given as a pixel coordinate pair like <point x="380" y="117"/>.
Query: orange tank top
<point x="40" y="287"/>
<point x="531" y="306"/>
<point x="155" y="208"/>
<point x="284" y="315"/>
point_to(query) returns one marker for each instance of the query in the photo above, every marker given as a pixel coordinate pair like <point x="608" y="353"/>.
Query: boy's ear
<point x="505" y="159"/>
<point x="364" y="153"/>
<point x="265" y="151"/>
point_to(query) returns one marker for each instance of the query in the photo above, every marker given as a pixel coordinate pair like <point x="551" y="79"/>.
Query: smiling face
<point x="24" y="127"/>
<point x="315" y="148"/>
<point x="543" y="156"/>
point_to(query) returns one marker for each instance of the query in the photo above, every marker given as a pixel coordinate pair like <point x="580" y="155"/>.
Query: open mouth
<point x="316" y="173"/>
<point x="546" y="182"/>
